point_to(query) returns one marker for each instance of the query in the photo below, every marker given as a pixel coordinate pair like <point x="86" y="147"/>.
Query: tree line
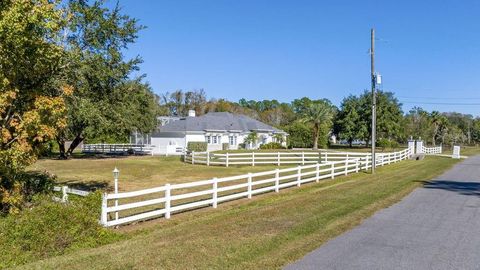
<point x="311" y="122"/>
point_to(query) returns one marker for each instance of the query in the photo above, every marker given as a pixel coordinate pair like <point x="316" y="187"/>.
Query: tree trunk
<point x="61" y="147"/>
<point x="315" y="137"/>
<point x="350" y="142"/>
<point x="78" y="139"/>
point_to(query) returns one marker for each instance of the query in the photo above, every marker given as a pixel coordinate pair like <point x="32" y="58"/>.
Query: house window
<point x="209" y="139"/>
<point x="215" y="140"/>
<point x="232" y="140"/>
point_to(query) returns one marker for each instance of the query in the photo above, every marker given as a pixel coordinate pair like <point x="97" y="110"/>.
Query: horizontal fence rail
<point x="66" y="190"/>
<point x="432" y="150"/>
<point x="102" y="148"/>
<point x="127" y="207"/>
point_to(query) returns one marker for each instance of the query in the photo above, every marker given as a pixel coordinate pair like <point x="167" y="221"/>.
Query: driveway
<point x="435" y="227"/>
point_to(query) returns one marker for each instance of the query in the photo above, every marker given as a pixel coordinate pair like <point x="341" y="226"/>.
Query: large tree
<point x="32" y="105"/>
<point x="349" y="124"/>
<point x="106" y="101"/>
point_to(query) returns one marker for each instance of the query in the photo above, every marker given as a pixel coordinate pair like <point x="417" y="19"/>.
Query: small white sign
<point x="456" y="152"/>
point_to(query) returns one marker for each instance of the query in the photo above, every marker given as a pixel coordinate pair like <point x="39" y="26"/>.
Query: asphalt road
<point x="436" y="227"/>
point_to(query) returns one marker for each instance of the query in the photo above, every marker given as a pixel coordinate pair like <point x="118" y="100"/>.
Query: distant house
<point x="216" y="129"/>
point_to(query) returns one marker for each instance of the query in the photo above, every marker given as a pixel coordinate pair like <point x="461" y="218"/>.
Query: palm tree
<point x="251" y="139"/>
<point x="317" y="114"/>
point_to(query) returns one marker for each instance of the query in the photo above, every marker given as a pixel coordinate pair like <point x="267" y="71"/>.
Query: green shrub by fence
<point x="197" y="146"/>
<point x="271" y="145"/>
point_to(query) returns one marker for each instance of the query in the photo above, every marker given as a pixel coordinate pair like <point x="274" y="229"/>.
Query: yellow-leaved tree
<point x="32" y="106"/>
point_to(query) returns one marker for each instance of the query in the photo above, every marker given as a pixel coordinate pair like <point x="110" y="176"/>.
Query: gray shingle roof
<point x="218" y="121"/>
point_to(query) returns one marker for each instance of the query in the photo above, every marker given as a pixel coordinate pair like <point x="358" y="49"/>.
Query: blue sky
<point x="289" y="49"/>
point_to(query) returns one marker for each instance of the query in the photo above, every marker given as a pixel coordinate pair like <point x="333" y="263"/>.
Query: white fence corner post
<point x="215" y="193"/>
<point x="317" y="172"/>
<point x="303" y="158"/>
<point x="208" y="158"/>
<point x="226" y="160"/>
<point x="346" y="166"/>
<point x="193" y="157"/>
<point x="299" y="175"/>
<point x="253" y="159"/>
<point x="167" y="201"/>
<point x="277" y="180"/>
<point x="64" y="194"/>
<point x="103" y="214"/>
<point x="278" y="158"/>
<point x="249" y="186"/>
<point x="357" y="163"/>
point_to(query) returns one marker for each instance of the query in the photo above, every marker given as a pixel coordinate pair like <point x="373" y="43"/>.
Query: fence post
<point x="193" y="157"/>
<point x="356" y="165"/>
<point x="253" y="159"/>
<point x="103" y="215"/>
<point x="116" y="192"/>
<point x="64" y="194"/>
<point x="317" y="172"/>
<point x="303" y="158"/>
<point x="299" y="175"/>
<point x="278" y="158"/>
<point x="226" y="160"/>
<point x="346" y="166"/>
<point x="208" y="158"/>
<point x="167" y="201"/>
<point x="277" y="180"/>
<point x="332" y="170"/>
<point x="249" y="186"/>
<point x="215" y="192"/>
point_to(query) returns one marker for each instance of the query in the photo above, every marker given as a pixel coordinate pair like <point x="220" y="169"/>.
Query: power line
<point x="462" y="98"/>
<point x="443" y="103"/>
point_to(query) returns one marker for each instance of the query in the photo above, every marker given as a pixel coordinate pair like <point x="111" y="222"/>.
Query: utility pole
<point x="374" y="101"/>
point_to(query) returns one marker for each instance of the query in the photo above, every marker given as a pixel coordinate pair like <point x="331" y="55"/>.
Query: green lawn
<point x="265" y="232"/>
<point x="135" y="172"/>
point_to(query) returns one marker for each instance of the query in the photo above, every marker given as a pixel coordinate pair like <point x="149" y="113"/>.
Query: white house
<point x="216" y="129"/>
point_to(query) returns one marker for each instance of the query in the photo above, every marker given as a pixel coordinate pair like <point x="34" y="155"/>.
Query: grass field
<point x="265" y="232"/>
<point x="135" y="172"/>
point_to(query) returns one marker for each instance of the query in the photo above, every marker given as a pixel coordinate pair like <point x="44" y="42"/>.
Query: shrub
<point x="197" y="146"/>
<point x="271" y="145"/>
<point x="50" y="228"/>
<point x="241" y="146"/>
<point x="300" y="135"/>
<point x="384" y="143"/>
<point x="14" y="196"/>
<point x="224" y="146"/>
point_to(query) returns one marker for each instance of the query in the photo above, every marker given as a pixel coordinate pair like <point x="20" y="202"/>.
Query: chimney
<point x="191" y="113"/>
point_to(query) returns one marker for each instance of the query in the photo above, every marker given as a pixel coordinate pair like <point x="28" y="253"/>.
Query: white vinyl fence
<point x="66" y="190"/>
<point x="252" y="158"/>
<point x="127" y="207"/>
<point x="432" y="150"/>
<point x="103" y="148"/>
<point x="284" y="158"/>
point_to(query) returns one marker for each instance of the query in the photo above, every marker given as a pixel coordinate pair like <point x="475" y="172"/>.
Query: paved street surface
<point x="436" y="227"/>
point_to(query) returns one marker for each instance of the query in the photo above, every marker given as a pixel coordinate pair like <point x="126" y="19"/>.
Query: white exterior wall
<point x="167" y="146"/>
